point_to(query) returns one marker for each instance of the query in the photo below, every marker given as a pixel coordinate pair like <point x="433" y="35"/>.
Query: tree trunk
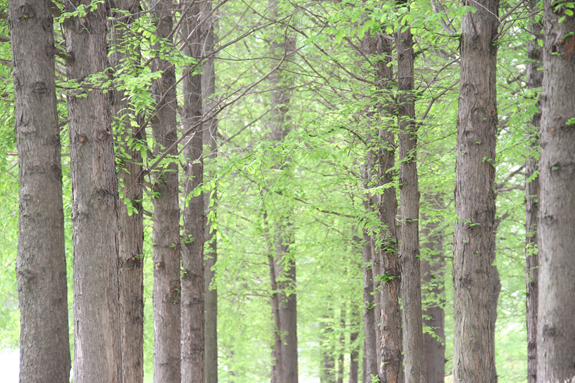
<point x="193" y="316"/>
<point x="97" y="326"/>
<point x="210" y="137"/>
<point x="277" y="367"/>
<point x="370" y="343"/>
<point x="166" y="232"/>
<point x="328" y="364"/>
<point x="534" y="81"/>
<point x="386" y="266"/>
<point x="353" y="358"/>
<point x="409" y="194"/>
<point x="130" y="213"/>
<point x="281" y="82"/>
<point x="474" y="254"/>
<point x="432" y="274"/>
<point x="41" y="260"/>
<point x="556" y="327"/>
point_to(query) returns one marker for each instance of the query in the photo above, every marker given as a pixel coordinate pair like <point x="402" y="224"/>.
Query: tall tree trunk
<point x="166" y="231"/>
<point x="370" y="343"/>
<point x="386" y="268"/>
<point x="432" y="274"/>
<point x="41" y="260"/>
<point x="130" y="214"/>
<point x="210" y="138"/>
<point x="281" y="81"/>
<point x="409" y="194"/>
<point x="97" y="326"/>
<point x="556" y="327"/>
<point x="474" y="360"/>
<point x="534" y="81"/>
<point x="193" y="316"/>
<point x="277" y="367"/>
<point x="328" y="364"/>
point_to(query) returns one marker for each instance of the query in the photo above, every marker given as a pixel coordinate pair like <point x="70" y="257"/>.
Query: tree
<point x="474" y="249"/>
<point x="165" y="189"/>
<point x="125" y="57"/>
<point x="41" y="260"/>
<point x="534" y="81"/>
<point x="409" y="201"/>
<point x="210" y="137"/>
<point x="194" y="218"/>
<point x="555" y="325"/>
<point x="97" y="331"/>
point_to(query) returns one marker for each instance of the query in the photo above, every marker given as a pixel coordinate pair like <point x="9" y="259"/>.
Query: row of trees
<point x="290" y="135"/>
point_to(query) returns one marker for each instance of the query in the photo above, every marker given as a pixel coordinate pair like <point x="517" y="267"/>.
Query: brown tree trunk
<point x="166" y="232"/>
<point x="432" y="274"/>
<point x="474" y="250"/>
<point x="130" y="211"/>
<point x="210" y="137"/>
<point x="281" y="81"/>
<point x="97" y="326"/>
<point x="556" y="327"/>
<point x="353" y="358"/>
<point x="193" y="316"/>
<point x="534" y="81"/>
<point x="41" y="260"/>
<point x="277" y="366"/>
<point x="409" y="194"/>
<point x="370" y="343"/>
<point x="386" y="268"/>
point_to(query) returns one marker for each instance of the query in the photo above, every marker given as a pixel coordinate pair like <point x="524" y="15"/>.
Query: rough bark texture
<point x="474" y="196"/>
<point x="97" y="329"/>
<point x="193" y="316"/>
<point x="386" y="262"/>
<point x="556" y="327"/>
<point x="166" y="232"/>
<point x="131" y="221"/>
<point x="370" y="343"/>
<point x="41" y="260"/>
<point x="210" y="202"/>
<point x="534" y="81"/>
<point x="432" y="274"/>
<point x="409" y="201"/>
<point x="281" y="82"/>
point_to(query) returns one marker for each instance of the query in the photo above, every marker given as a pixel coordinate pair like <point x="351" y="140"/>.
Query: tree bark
<point x="97" y="326"/>
<point x="370" y="342"/>
<point x="166" y="231"/>
<point x="534" y="81"/>
<point x="130" y="213"/>
<point x="409" y="202"/>
<point x="210" y="137"/>
<point x="281" y="82"/>
<point x="432" y="274"/>
<point x="353" y="358"/>
<point x="193" y="316"/>
<point x="41" y="259"/>
<point x="556" y="327"/>
<point x="474" y="254"/>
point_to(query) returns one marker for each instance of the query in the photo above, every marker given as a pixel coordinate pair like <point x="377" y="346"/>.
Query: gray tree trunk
<point x="474" y="250"/>
<point x="210" y="137"/>
<point x="97" y="325"/>
<point x="432" y="274"/>
<point x="131" y="217"/>
<point x="409" y="195"/>
<point x="534" y="81"/>
<point x="354" y="358"/>
<point x="556" y="327"/>
<point x="41" y="260"/>
<point x="193" y="316"/>
<point x="166" y="231"/>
